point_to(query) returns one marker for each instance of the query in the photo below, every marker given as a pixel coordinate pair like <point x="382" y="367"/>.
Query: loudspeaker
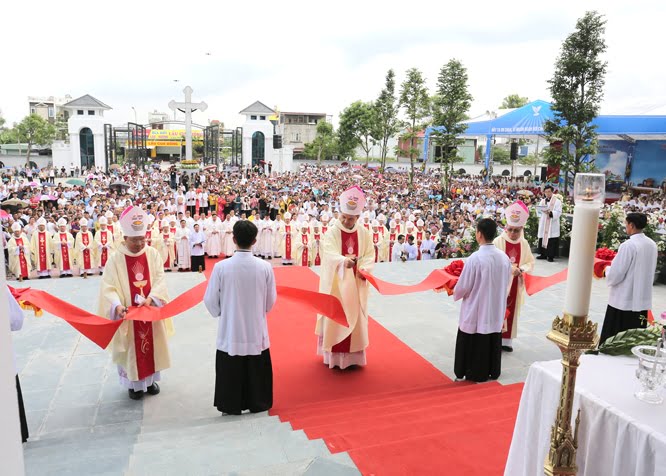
<point x="277" y="141"/>
<point x="544" y="172"/>
<point x="514" y="151"/>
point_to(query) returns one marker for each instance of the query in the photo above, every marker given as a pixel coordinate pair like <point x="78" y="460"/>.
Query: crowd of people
<point x="62" y="229"/>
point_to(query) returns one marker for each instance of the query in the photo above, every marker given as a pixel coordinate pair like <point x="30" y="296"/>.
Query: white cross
<point x="188" y="107"/>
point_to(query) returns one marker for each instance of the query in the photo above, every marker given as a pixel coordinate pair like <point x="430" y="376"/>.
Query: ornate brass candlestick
<point x="573" y="335"/>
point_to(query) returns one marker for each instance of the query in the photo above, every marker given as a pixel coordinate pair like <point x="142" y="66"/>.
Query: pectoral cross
<point x="188" y="107"/>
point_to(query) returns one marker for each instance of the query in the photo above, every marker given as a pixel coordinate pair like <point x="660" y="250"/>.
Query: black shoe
<point x="154" y="389"/>
<point x="550" y="260"/>
<point x="134" y="395"/>
<point x="507" y="348"/>
<point x="542" y="257"/>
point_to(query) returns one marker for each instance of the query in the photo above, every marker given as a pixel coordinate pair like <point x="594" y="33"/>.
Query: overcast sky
<point x="310" y="56"/>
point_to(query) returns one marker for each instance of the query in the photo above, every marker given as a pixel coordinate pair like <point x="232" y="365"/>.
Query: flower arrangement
<point x="611" y="228"/>
<point x="454" y="270"/>
<point x="189" y="164"/>
<point x="532" y="228"/>
<point x="605" y="254"/>
<point x="468" y="243"/>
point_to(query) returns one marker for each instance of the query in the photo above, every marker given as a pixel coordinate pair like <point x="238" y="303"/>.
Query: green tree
<point x="2" y="121"/>
<point x="386" y="113"/>
<point x="324" y="145"/>
<point x="450" y="107"/>
<point x="577" y="90"/>
<point x="358" y="127"/>
<point x="416" y="103"/>
<point x="500" y="155"/>
<point x="61" y="127"/>
<point x="513" y="101"/>
<point x="35" y="130"/>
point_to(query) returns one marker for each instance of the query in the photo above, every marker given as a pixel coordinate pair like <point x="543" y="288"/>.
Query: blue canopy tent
<point x="528" y="121"/>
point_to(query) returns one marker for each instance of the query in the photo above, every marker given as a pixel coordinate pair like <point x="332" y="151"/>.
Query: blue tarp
<point x="529" y="119"/>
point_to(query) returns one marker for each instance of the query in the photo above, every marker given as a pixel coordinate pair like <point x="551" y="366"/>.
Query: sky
<point x="310" y="56"/>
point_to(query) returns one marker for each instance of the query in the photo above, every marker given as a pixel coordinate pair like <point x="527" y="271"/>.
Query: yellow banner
<point x="164" y="143"/>
<point x="156" y="134"/>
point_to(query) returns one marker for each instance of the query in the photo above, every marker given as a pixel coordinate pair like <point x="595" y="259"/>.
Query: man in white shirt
<point x="483" y="286"/>
<point x="548" y="233"/>
<point x="410" y="248"/>
<point x="630" y="279"/>
<point x="397" y="252"/>
<point x="428" y="247"/>
<point x="240" y="292"/>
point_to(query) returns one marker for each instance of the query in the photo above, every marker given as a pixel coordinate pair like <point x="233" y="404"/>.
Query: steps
<point x="453" y="428"/>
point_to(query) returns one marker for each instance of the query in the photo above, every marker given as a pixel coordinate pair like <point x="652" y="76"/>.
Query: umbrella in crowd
<point x="48" y="184"/>
<point x="45" y="198"/>
<point x="114" y="166"/>
<point x="76" y="182"/>
<point x="14" y="202"/>
<point x="119" y="185"/>
<point x="33" y="184"/>
<point x="3" y="214"/>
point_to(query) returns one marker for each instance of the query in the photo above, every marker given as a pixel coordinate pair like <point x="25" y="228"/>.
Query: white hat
<point x="517" y="214"/>
<point x="151" y="219"/>
<point x="409" y="224"/>
<point x="103" y="221"/>
<point x="397" y="215"/>
<point x="366" y="214"/>
<point x="419" y="222"/>
<point x="374" y="223"/>
<point x="62" y="222"/>
<point x="325" y="217"/>
<point x="381" y="217"/>
<point x="392" y="224"/>
<point x="109" y="214"/>
<point x="165" y="223"/>
<point x="287" y="216"/>
<point x="41" y="221"/>
<point x="133" y="221"/>
<point x="16" y="226"/>
<point x="352" y="201"/>
<point x="316" y="224"/>
<point x="83" y="222"/>
<point x="412" y="218"/>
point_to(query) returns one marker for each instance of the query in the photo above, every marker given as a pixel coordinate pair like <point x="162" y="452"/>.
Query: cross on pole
<point x="188" y="107"/>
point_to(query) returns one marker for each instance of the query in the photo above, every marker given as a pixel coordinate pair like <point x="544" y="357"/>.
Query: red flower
<point x="455" y="268"/>
<point x="605" y="254"/>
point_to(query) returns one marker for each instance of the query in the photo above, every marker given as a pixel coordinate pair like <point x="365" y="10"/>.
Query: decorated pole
<point x="575" y="333"/>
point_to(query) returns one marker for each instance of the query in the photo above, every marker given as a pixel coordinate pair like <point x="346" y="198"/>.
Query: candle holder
<point x="590" y="189"/>
<point x="573" y="335"/>
<point x="651" y="372"/>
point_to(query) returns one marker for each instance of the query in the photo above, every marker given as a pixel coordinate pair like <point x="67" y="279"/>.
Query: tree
<point x="358" y="127"/>
<point x="386" y="113"/>
<point x="513" y="101"/>
<point x="577" y="90"/>
<point x="35" y="130"/>
<point x="450" y="107"/>
<point x="2" y="121"/>
<point x="324" y="144"/>
<point x="416" y="103"/>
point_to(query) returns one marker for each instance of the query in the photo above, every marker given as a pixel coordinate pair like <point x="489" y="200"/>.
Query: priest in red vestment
<point x="348" y="248"/>
<point x="85" y="247"/>
<point x="41" y="248"/>
<point x="516" y="247"/>
<point x="105" y="243"/>
<point x="18" y="248"/>
<point x="134" y="276"/>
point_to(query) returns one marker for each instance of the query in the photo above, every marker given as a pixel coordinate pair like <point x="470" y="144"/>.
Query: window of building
<point x="262" y="118"/>
<point x="51" y="111"/>
<point x="254" y="118"/>
<point x="91" y="113"/>
<point x="32" y="110"/>
<point x="79" y="112"/>
<point x="300" y="119"/>
<point x="295" y="136"/>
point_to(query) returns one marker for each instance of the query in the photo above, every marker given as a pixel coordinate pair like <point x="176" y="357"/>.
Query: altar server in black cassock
<point x="240" y="292"/>
<point x="16" y="322"/>
<point x="629" y="280"/>
<point x="483" y="286"/>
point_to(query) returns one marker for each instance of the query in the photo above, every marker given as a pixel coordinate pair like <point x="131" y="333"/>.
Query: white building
<point x="85" y="125"/>
<point x="258" y="131"/>
<point x="48" y="107"/>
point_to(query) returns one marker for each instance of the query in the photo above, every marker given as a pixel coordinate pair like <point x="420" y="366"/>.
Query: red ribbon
<point x="437" y="279"/>
<point x="101" y="330"/>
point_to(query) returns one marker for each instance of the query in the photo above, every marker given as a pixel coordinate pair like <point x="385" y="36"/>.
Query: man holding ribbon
<point x="134" y="277"/>
<point x="513" y="243"/>
<point x="348" y="249"/>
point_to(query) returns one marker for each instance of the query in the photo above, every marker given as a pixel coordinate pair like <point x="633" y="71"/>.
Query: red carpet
<point x="399" y="415"/>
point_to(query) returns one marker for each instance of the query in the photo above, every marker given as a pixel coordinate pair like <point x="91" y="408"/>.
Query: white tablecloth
<point x="618" y="436"/>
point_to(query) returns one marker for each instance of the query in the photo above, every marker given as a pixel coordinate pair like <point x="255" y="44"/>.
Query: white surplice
<point x="483" y="286"/>
<point x="240" y="292"/>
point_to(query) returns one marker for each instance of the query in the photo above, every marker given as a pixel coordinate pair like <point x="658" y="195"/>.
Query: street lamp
<point x="135" y="120"/>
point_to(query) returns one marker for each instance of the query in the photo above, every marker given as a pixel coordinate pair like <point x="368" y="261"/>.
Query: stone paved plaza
<point x="82" y="422"/>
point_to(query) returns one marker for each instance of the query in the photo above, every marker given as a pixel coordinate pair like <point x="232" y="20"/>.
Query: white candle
<point x="581" y="258"/>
